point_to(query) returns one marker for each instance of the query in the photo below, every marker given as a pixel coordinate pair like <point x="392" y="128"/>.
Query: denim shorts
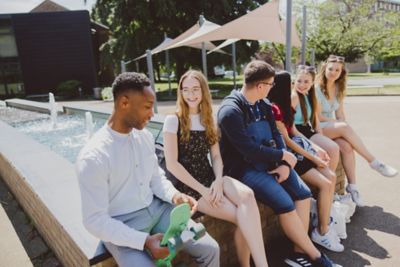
<point x="278" y="196"/>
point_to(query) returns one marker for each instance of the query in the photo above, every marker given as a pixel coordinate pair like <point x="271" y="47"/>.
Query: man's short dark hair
<point x="129" y="81"/>
<point x="257" y="71"/>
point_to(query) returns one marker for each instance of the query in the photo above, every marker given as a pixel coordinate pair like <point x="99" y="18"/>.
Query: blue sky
<point x="22" y="6"/>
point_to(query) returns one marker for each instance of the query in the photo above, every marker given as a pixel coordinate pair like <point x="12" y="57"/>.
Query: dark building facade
<point x="38" y="51"/>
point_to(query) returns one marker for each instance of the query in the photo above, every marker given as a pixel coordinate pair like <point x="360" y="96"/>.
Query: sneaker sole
<point x="293" y="264"/>
<point x="390" y="176"/>
<point x="330" y="249"/>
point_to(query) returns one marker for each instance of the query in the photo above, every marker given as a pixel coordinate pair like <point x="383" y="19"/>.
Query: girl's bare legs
<point x="238" y="205"/>
<point x="325" y="195"/>
<point x="290" y="222"/>
<point x="348" y="159"/>
<point x="242" y="251"/>
<point x="342" y="130"/>
<point x="330" y="147"/>
<point x="349" y="165"/>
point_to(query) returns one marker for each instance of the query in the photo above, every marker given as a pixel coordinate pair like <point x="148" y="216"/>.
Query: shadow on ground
<point x="358" y="240"/>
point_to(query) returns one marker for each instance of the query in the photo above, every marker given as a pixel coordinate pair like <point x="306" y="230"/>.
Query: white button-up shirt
<point x="119" y="174"/>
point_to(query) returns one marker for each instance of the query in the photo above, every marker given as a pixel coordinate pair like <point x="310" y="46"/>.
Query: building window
<point x="10" y="72"/>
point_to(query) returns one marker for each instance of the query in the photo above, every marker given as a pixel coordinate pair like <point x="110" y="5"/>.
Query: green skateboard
<point x="177" y="233"/>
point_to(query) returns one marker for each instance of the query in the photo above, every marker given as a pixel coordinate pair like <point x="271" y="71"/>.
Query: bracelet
<point x="284" y="162"/>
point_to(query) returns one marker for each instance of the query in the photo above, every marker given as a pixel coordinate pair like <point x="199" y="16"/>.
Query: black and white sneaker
<point x="298" y="260"/>
<point x="324" y="261"/>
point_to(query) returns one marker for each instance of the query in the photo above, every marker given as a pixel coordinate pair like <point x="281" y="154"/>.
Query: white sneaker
<point x="355" y="196"/>
<point x="385" y="170"/>
<point x="329" y="240"/>
<point x="333" y="231"/>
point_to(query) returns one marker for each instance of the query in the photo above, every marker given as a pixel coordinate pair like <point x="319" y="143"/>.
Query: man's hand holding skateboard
<point x="152" y="243"/>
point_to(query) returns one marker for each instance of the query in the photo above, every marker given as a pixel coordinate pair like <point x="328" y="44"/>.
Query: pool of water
<point x="66" y="138"/>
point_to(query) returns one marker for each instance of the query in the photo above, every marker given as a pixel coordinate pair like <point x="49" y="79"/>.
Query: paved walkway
<point x="12" y="253"/>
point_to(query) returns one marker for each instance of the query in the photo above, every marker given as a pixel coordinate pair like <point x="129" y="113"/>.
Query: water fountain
<point x="37" y="164"/>
<point x="89" y="124"/>
<point x="53" y="110"/>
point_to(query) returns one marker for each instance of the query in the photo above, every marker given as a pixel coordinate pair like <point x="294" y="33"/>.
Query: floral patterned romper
<point x="193" y="155"/>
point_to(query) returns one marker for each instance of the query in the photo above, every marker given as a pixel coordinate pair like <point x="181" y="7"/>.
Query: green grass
<point x="386" y="90"/>
<point x="225" y="86"/>
<point x="373" y="75"/>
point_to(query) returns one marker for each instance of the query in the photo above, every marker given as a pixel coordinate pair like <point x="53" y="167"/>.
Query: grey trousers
<point x="155" y="219"/>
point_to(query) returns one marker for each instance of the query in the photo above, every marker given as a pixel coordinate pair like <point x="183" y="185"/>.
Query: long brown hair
<point x="206" y="116"/>
<point x="312" y="97"/>
<point x="341" y="81"/>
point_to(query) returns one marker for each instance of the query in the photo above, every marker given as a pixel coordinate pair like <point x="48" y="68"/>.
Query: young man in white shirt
<point x="126" y="199"/>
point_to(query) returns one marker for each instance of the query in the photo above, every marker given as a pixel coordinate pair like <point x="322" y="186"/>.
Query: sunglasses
<point x="305" y="67"/>
<point x="334" y="58"/>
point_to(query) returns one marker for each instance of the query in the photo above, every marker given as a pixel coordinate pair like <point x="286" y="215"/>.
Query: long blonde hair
<point x="206" y="116"/>
<point x="341" y="81"/>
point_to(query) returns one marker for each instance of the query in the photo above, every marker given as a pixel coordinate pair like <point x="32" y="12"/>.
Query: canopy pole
<point x="203" y="50"/>
<point x="303" y="36"/>
<point x="123" y="66"/>
<point x="312" y="57"/>
<point x="288" y="35"/>
<point x="168" y="68"/>
<point x="151" y="76"/>
<point x="234" y="64"/>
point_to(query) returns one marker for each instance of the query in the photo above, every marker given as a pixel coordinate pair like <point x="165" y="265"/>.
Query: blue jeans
<point x="278" y="196"/>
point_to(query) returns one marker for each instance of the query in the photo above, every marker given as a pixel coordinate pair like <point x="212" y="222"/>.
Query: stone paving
<point x="36" y="248"/>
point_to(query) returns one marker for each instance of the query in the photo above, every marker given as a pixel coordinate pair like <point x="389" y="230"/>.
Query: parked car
<point x="164" y="76"/>
<point x="229" y="74"/>
<point x="219" y="71"/>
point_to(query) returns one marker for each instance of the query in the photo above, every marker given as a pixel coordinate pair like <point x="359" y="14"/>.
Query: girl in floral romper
<point x="189" y="136"/>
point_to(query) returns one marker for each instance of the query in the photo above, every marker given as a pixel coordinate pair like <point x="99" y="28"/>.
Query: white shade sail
<point x="169" y="43"/>
<point x="261" y="24"/>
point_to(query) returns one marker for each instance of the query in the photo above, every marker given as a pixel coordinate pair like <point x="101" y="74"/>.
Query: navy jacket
<point x="236" y="145"/>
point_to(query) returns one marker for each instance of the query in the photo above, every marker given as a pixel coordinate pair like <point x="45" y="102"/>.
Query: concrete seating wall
<point x="223" y="232"/>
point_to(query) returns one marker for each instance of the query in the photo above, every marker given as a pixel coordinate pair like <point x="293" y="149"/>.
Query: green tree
<point x="351" y="28"/>
<point x="137" y="25"/>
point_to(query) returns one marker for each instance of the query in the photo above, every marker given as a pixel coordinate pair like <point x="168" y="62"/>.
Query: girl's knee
<point x="331" y="176"/>
<point x="333" y="148"/>
<point x="247" y="195"/>
<point x="346" y="147"/>
<point x="325" y="185"/>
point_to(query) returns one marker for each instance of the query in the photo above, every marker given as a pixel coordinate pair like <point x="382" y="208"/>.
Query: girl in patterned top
<point x="189" y="136"/>
<point x="331" y="88"/>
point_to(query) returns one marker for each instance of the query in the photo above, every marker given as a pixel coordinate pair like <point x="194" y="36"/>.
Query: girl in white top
<point x="188" y="137"/>
<point x="331" y="86"/>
